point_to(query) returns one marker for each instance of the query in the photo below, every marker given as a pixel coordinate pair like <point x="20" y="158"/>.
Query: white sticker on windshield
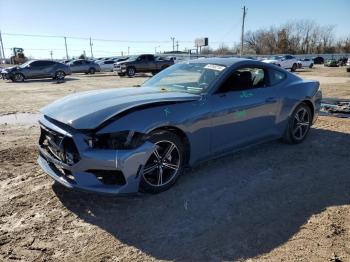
<point x="214" y="67"/>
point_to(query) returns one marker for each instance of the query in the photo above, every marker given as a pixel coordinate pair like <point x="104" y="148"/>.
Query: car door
<point x="244" y="109"/>
<point x="35" y="69"/>
<point x="151" y="64"/>
<point x="76" y="66"/>
<point x="47" y="68"/>
<point x="141" y="63"/>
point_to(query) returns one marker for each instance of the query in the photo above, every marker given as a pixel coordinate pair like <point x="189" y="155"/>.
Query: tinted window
<point x="35" y="64"/>
<point x="276" y="77"/>
<point x="77" y="63"/>
<point x="142" y="57"/>
<point x="109" y="62"/>
<point x="150" y="57"/>
<point x="244" y="78"/>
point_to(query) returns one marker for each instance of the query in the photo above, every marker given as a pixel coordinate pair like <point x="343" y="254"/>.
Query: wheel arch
<point x="181" y="134"/>
<point x="310" y="105"/>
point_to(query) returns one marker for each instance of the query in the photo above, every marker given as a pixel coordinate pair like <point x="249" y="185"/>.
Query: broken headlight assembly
<point x="120" y="140"/>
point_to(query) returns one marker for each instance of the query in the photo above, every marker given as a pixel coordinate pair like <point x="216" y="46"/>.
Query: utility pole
<point x="65" y="43"/>
<point x="128" y="50"/>
<point x="2" y="48"/>
<point x="51" y="54"/>
<point x="92" y="55"/>
<point x="177" y="46"/>
<point x="173" y="39"/>
<point x="242" y="36"/>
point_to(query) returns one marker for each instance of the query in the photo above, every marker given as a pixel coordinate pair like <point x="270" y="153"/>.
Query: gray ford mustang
<point x="125" y="140"/>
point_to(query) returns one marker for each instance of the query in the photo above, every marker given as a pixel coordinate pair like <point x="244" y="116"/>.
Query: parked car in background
<point x="141" y="64"/>
<point x="106" y="65"/>
<point x="348" y="62"/>
<point x="35" y="69"/>
<point x="342" y="61"/>
<point x="84" y="66"/>
<point x="318" y="60"/>
<point x="331" y="63"/>
<point x="286" y="62"/>
<point x="306" y="62"/>
<point x="123" y="140"/>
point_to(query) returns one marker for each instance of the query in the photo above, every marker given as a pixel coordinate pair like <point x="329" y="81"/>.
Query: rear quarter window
<point x="276" y="77"/>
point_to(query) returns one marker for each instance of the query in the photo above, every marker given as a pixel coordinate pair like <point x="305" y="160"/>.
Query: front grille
<point x="59" y="146"/>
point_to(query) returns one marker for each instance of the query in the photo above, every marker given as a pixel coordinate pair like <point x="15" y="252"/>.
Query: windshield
<point x="25" y="64"/>
<point x="187" y="77"/>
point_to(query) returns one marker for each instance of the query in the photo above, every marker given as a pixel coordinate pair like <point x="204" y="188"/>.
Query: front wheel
<point x="294" y="68"/>
<point x="131" y="71"/>
<point x="299" y="125"/>
<point x="165" y="165"/>
<point x="311" y="65"/>
<point x="18" y="77"/>
<point x="92" y="71"/>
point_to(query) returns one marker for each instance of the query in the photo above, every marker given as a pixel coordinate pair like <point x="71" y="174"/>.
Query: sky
<point x="147" y="25"/>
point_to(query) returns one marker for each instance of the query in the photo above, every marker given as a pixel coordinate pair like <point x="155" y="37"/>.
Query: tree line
<point x="295" y="37"/>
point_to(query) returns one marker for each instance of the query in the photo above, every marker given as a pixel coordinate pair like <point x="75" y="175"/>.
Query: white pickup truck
<point x="286" y="62"/>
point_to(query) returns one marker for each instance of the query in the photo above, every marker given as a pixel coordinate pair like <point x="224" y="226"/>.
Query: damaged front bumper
<point x="103" y="171"/>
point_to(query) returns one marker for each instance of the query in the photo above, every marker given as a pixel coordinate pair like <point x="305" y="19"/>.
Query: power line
<point x="101" y="39"/>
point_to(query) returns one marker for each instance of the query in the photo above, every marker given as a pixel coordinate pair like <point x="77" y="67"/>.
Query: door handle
<point x="271" y="100"/>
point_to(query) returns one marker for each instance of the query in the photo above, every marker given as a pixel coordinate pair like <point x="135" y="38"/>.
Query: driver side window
<point x="244" y="78"/>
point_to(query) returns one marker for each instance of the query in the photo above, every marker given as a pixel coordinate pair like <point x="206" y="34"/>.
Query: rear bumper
<point x="82" y="174"/>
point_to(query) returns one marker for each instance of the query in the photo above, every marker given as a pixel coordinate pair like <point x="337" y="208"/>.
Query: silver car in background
<point x="84" y="66"/>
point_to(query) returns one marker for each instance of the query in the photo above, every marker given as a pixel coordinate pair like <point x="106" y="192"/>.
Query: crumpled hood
<point x="88" y="110"/>
<point x="8" y="69"/>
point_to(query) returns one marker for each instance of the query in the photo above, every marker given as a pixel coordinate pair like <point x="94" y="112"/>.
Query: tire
<point x="162" y="169"/>
<point x="131" y="71"/>
<point x="311" y="65"/>
<point x="59" y="75"/>
<point x="121" y="74"/>
<point x="18" y="77"/>
<point x="294" y="67"/>
<point x="92" y="70"/>
<point x="298" y="125"/>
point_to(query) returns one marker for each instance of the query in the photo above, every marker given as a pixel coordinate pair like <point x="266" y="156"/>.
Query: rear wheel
<point x="59" y="75"/>
<point x="311" y="65"/>
<point x="18" y="77"/>
<point x="165" y="164"/>
<point x="92" y="70"/>
<point x="299" y="125"/>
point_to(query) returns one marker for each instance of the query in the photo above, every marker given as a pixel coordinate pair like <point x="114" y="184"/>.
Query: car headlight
<point x="123" y="66"/>
<point x="119" y="140"/>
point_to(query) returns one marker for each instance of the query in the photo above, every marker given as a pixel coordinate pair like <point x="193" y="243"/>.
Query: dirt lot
<point x="272" y="202"/>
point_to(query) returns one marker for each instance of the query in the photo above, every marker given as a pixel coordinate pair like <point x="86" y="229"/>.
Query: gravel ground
<point x="271" y="202"/>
